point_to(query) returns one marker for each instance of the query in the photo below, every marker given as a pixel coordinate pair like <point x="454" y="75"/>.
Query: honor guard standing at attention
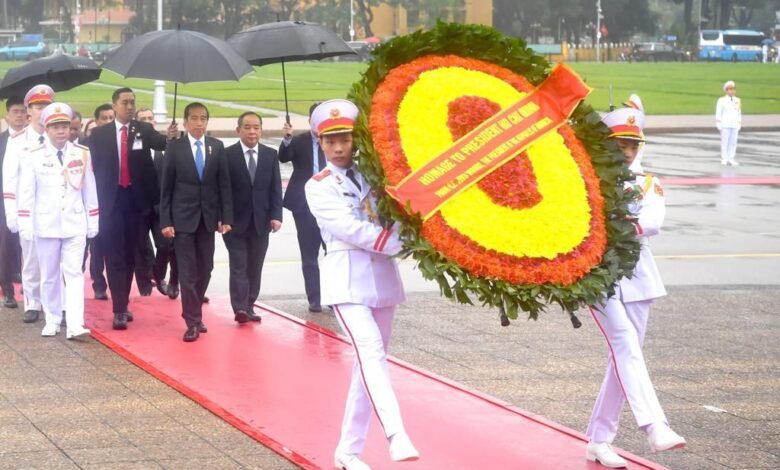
<point x="18" y="147"/>
<point x="58" y="209"/>
<point x="361" y="281"/>
<point x="728" y="119"/>
<point x="622" y="318"/>
<point x="10" y="251"/>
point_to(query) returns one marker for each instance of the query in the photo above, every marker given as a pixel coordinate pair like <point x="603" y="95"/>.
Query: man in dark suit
<point x="195" y="202"/>
<point x="10" y="250"/>
<point x="127" y="187"/>
<point x="308" y="159"/>
<point x="257" y="195"/>
<point x="156" y="264"/>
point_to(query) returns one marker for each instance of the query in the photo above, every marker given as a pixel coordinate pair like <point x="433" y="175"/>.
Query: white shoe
<point x="734" y="163"/>
<point x="723" y="162"/>
<point x="50" y="329"/>
<point x="661" y="437"/>
<point x="76" y="332"/>
<point x="602" y="453"/>
<point x="401" y="448"/>
<point x="349" y="462"/>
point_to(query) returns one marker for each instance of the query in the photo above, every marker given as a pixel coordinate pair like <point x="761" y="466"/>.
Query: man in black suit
<point x="10" y="250"/>
<point x="308" y="159"/>
<point x="195" y="202"/>
<point x="104" y="114"/>
<point x="127" y="187"/>
<point x="156" y="263"/>
<point x="257" y="195"/>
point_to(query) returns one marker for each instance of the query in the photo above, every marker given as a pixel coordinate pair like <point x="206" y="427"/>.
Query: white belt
<point x="338" y="245"/>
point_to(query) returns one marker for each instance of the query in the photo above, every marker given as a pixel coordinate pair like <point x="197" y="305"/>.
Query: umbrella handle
<point x="175" y="92"/>
<point x="286" y="107"/>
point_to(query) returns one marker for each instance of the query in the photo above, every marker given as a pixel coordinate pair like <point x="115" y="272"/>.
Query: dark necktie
<point x="320" y="158"/>
<point x="351" y="176"/>
<point x="40" y="139"/>
<point x="124" y="166"/>
<point x="59" y="156"/>
<point x="252" y="165"/>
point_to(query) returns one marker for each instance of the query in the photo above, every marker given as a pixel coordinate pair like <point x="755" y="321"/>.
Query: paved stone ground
<point x="78" y="405"/>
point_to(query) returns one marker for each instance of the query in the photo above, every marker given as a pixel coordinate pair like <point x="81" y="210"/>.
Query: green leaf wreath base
<point x="454" y="281"/>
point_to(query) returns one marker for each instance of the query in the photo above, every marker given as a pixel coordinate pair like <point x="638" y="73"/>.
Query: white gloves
<point x="13" y="225"/>
<point x="92" y="234"/>
<point x="26" y="235"/>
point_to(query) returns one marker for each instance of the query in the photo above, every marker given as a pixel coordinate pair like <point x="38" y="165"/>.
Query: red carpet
<point x="284" y="383"/>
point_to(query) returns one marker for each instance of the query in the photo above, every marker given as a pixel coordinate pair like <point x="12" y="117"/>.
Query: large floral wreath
<point x="548" y="226"/>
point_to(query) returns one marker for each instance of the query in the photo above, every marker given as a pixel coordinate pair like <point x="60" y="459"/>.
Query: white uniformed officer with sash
<point x="19" y="144"/>
<point x="360" y="279"/>
<point x="58" y="208"/>
<point x="622" y="319"/>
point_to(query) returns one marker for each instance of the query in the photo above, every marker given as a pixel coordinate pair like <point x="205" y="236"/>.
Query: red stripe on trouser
<point x="360" y="365"/>
<point x="611" y="353"/>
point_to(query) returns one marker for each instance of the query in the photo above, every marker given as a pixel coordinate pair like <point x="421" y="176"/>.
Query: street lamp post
<point x="351" y="21"/>
<point x="159" y="107"/>
<point x="598" y="30"/>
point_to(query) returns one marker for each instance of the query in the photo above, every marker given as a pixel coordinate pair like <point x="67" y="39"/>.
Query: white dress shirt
<point x="246" y="150"/>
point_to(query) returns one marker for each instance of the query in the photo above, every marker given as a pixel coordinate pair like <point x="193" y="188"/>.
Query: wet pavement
<point x="711" y="346"/>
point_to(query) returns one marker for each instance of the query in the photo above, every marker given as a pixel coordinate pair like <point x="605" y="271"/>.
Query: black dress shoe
<point x="145" y="291"/>
<point x="10" y="302"/>
<point x="30" y="316"/>
<point x="253" y="316"/>
<point x="120" y="321"/>
<point x="241" y="317"/>
<point x="315" y="308"/>
<point x="205" y="299"/>
<point x="173" y="291"/>
<point x="192" y="334"/>
<point x="63" y="323"/>
<point x="100" y="294"/>
<point x="202" y="328"/>
<point x="162" y="287"/>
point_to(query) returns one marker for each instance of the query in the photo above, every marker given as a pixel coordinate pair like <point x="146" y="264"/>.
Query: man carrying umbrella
<point x="36" y="99"/>
<point x="126" y="187"/>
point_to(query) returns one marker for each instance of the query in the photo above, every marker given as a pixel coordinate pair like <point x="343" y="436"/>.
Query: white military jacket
<point x="18" y="145"/>
<point x="646" y="283"/>
<point x="357" y="267"/>
<point x="58" y="200"/>
<point x="728" y="112"/>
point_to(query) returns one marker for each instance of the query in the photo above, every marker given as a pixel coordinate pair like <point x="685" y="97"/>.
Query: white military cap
<point x="334" y="117"/>
<point x="729" y="84"/>
<point x="626" y="123"/>
<point x="39" y="94"/>
<point x="56" y="112"/>
<point x="634" y="102"/>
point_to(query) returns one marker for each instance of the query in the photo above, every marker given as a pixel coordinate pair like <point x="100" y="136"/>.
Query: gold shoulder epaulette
<point x="37" y="147"/>
<point x="17" y="134"/>
<point x="321" y="175"/>
<point x="81" y="146"/>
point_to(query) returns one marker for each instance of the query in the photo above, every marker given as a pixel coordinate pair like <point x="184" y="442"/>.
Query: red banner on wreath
<point x="493" y="143"/>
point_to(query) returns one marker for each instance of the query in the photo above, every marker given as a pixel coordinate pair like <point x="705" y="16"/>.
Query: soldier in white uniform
<point x="58" y="208"/>
<point x="622" y="319"/>
<point x="360" y="280"/>
<point x="19" y="144"/>
<point x="728" y="119"/>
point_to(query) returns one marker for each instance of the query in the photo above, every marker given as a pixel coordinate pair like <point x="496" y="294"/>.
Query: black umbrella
<point x="178" y="56"/>
<point x="61" y="72"/>
<point x="288" y="41"/>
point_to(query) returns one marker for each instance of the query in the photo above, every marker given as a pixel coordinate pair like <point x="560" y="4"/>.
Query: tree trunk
<point x="725" y="13"/>
<point x="366" y="16"/>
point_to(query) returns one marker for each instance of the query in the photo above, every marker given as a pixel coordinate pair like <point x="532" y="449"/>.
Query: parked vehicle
<point x="736" y="45"/>
<point x="23" y="50"/>
<point x="656" y="51"/>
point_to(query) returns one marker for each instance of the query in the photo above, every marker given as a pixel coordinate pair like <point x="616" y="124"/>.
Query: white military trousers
<point x="368" y="329"/>
<point x="60" y="259"/>
<point x="31" y="275"/>
<point x="728" y="144"/>
<point x="627" y="379"/>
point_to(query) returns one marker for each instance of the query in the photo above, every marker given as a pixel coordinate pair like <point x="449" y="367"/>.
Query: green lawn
<point x="665" y="88"/>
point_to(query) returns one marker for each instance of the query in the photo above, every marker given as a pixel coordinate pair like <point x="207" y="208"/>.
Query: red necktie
<point x="124" y="167"/>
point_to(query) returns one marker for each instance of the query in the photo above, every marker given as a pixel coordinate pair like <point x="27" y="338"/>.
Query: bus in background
<point x="730" y="44"/>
